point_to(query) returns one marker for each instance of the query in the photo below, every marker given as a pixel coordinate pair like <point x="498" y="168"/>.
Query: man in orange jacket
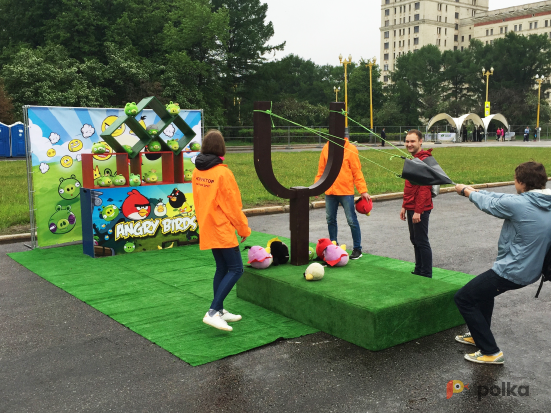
<point x="342" y="192"/>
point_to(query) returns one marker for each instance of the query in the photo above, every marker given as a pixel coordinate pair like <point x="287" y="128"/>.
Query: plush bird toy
<point x="311" y="253"/>
<point x="279" y="251"/>
<point x="258" y="257"/>
<point x="314" y="272"/>
<point x="335" y="256"/>
<point x="363" y="206"/>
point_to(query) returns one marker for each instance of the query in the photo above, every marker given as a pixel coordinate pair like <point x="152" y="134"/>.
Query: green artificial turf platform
<point x="373" y="302"/>
<point x="163" y="295"/>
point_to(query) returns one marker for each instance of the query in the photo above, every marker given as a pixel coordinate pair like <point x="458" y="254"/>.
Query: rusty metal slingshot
<point x="299" y="221"/>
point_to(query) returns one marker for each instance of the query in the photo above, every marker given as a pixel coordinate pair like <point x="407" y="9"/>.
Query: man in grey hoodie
<point x="524" y="241"/>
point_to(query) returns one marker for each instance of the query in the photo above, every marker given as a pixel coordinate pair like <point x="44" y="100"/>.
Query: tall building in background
<point x="408" y="25"/>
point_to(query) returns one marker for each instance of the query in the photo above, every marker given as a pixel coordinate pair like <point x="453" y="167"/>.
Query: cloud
<point x="87" y="130"/>
<point x="44" y="167"/>
<point x="170" y="130"/>
<point x="54" y="138"/>
<point x="79" y="157"/>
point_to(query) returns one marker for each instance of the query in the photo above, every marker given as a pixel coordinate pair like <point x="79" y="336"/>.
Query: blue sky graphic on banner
<point x="58" y="137"/>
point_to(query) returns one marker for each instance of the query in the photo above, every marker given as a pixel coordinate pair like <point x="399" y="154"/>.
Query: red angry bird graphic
<point x="136" y="206"/>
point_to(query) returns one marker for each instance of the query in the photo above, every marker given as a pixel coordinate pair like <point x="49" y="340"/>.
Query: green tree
<point x="6" y="106"/>
<point x="359" y="93"/>
<point x="459" y="75"/>
<point x="48" y="76"/>
<point x="247" y="43"/>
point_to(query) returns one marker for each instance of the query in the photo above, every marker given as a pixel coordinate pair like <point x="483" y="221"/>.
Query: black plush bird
<point x="279" y="251"/>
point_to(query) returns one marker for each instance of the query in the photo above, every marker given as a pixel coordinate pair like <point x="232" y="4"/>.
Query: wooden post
<point x="298" y="196"/>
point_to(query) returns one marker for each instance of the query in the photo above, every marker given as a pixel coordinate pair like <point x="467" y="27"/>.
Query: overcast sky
<point x="320" y="30"/>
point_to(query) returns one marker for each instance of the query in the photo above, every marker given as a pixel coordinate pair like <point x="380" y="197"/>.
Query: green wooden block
<point x="144" y="138"/>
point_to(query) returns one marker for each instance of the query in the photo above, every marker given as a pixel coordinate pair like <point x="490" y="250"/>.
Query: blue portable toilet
<point x="17" y="134"/>
<point x="5" y="140"/>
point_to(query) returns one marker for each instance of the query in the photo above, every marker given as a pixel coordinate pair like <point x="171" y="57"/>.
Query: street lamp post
<point x="336" y="90"/>
<point x="345" y="62"/>
<point x="487" y="103"/>
<point x="539" y="81"/>
<point x="370" y="64"/>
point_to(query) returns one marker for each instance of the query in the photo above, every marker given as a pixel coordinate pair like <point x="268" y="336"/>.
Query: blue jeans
<point x="331" y="205"/>
<point x="419" y="237"/>
<point x="475" y="302"/>
<point x="229" y="267"/>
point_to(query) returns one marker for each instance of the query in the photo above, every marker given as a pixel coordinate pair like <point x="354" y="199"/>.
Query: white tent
<point x="456" y="122"/>
<point x="499" y="117"/>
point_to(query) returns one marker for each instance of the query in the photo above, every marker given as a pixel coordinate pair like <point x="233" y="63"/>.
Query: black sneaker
<point x="356" y="254"/>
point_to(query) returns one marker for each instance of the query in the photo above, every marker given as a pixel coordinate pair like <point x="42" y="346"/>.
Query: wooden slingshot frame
<point x="298" y="196"/>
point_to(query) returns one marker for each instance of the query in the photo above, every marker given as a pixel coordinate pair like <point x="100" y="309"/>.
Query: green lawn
<point x="463" y="165"/>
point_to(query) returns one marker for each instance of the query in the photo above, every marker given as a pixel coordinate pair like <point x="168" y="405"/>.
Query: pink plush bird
<point x="335" y="256"/>
<point x="259" y="257"/>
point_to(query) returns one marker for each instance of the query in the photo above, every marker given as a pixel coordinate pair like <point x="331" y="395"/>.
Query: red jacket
<point x="418" y="198"/>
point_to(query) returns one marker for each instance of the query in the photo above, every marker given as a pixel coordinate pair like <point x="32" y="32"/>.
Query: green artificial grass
<point x="163" y="295"/>
<point x="374" y="302"/>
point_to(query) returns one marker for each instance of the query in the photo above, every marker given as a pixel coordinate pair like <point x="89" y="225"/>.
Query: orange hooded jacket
<point x="218" y="208"/>
<point x="350" y="174"/>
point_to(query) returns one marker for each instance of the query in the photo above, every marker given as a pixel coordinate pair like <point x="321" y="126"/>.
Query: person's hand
<point x="366" y="196"/>
<point x="243" y="239"/>
<point x="403" y="214"/>
<point x="416" y="218"/>
<point x="459" y="188"/>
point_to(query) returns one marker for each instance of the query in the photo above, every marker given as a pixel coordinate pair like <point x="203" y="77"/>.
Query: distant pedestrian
<point x="383" y="137"/>
<point x="526" y="134"/>
<point x="535" y="134"/>
<point x="480" y="133"/>
<point x="524" y="241"/>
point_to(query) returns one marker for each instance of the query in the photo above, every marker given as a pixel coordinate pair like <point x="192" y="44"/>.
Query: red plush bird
<point x="136" y="206"/>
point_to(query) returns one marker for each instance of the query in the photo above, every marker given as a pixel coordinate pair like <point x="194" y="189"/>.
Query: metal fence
<point x="289" y="136"/>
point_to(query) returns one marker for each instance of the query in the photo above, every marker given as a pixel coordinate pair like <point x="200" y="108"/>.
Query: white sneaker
<point x="229" y="317"/>
<point x="216" y="322"/>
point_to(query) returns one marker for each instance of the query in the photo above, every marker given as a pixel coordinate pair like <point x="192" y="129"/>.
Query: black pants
<point x="419" y="237"/>
<point x="475" y="302"/>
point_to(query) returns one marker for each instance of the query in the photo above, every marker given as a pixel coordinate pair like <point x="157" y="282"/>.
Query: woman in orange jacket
<point x="218" y="212"/>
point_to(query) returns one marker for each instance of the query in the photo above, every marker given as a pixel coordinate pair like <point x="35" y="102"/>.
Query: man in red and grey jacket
<point x="416" y="209"/>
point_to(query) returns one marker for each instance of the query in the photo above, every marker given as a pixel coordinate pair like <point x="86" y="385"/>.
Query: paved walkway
<point x="58" y="354"/>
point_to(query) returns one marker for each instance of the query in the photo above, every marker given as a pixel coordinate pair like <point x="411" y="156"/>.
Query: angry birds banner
<point x="58" y="137"/>
<point x="127" y="219"/>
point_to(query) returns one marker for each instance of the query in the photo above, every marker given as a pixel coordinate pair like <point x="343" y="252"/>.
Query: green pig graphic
<point x="173" y="108"/>
<point x="69" y="188"/>
<point x="129" y="247"/>
<point x="109" y="212"/>
<point x="173" y="144"/>
<point x="119" y="180"/>
<point x="131" y="109"/>
<point x="99" y="148"/>
<point x="135" y="180"/>
<point x="62" y="221"/>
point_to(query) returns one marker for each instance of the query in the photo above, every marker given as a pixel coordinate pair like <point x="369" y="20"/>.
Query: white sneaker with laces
<point x="216" y="321"/>
<point x="229" y="317"/>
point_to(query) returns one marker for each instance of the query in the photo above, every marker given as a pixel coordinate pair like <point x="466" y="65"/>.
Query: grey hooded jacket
<point x="526" y="234"/>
